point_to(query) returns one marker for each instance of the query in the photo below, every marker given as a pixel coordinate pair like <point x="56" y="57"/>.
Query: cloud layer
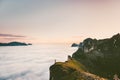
<point x="11" y="35"/>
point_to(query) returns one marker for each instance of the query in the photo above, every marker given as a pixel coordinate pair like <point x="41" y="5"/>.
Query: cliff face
<point x="104" y="57"/>
<point x="94" y="57"/>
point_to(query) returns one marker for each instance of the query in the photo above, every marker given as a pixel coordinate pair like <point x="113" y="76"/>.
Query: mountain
<point x="14" y="44"/>
<point x="99" y="59"/>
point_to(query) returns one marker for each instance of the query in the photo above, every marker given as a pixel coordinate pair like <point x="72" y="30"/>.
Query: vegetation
<point x="70" y="70"/>
<point x="94" y="57"/>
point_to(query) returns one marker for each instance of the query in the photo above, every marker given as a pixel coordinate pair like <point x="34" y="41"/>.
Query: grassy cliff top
<point x="71" y="70"/>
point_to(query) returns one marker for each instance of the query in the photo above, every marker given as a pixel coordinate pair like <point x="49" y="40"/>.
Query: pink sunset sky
<point x="58" y="21"/>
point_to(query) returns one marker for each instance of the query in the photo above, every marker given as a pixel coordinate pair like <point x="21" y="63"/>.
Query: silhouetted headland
<point x="15" y="44"/>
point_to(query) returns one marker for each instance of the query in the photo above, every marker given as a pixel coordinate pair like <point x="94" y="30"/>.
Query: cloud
<point x="15" y="76"/>
<point x="11" y="36"/>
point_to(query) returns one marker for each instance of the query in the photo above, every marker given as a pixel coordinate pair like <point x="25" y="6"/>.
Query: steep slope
<point x="93" y="59"/>
<point x="101" y="57"/>
<point x="71" y="70"/>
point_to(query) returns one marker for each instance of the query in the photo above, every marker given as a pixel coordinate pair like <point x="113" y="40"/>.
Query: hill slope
<point x="94" y="57"/>
<point x="71" y="70"/>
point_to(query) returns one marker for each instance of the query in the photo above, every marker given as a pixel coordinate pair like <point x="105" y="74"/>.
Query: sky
<point x="58" y="21"/>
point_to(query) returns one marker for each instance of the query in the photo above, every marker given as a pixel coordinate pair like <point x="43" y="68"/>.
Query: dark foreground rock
<point x="94" y="60"/>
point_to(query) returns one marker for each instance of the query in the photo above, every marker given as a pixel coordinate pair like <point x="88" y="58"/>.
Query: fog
<point x="31" y="62"/>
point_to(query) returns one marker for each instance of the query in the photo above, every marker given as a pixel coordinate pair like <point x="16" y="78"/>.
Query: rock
<point x="94" y="60"/>
<point x="75" y="45"/>
<point x="104" y="59"/>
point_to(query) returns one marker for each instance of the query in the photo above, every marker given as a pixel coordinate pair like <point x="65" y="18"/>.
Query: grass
<point x="72" y="64"/>
<point x="70" y="70"/>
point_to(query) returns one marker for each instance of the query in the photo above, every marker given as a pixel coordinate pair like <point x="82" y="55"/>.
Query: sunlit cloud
<point x="11" y="35"/>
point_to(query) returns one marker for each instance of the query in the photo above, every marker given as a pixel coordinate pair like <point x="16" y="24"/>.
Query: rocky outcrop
<point x="75" y="45"/>
<point x="104" y="59"/>
<point x="94" y="59"/>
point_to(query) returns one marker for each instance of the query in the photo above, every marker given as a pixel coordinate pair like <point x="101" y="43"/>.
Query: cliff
<point x="71" y="70"/>
<point x="94" y="60"/>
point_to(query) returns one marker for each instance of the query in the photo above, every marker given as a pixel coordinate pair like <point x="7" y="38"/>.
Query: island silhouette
<point x="15" y="43"/>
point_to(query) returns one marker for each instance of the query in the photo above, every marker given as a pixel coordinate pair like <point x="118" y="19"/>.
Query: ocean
<point x="31" y="62"/>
